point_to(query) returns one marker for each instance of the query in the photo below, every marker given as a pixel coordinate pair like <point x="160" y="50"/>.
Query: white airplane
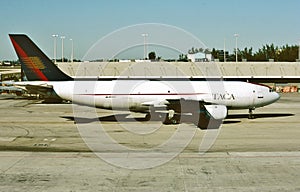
<point x="206" y="102"/>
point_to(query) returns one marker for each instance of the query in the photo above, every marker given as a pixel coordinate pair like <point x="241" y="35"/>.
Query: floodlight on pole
<point x="299" y="52"/>
<point x="62" y="48"/>
<point x="145" y="35"/>
<point x="54" y="47"/>
<point x="236" y="49"/>
<point x="72" y="50"/>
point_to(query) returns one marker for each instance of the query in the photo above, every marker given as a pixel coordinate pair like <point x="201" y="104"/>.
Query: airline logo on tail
<point x="33" y="62"/>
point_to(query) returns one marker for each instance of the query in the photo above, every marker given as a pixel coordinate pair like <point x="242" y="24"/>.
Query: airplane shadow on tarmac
<point x="230" y="119"/>
<point x="109" y="118"/>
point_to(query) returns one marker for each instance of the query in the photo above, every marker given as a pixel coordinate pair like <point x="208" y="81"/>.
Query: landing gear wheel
<point x="153" y="117"/>
<point x="148" y="117"/>
<point x="174" y="120"/>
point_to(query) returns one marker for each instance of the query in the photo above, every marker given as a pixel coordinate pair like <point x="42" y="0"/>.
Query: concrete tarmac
<point x="41" y="149"/>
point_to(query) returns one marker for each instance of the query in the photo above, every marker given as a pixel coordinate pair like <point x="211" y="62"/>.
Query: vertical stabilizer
<point x="36" y="65"/>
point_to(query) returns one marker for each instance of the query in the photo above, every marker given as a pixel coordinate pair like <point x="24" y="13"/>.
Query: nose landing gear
<point x="251" y="115"/>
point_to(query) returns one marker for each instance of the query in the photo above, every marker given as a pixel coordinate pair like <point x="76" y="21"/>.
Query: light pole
<point x="145" y="35"/>
<point x="299" y="52"/>
<point x="62" y="48"/>
<point x="72" y="50"/>
<point x="224" y="50"/>
<point x="236" y="50"/>
<point x="54" y="47"/>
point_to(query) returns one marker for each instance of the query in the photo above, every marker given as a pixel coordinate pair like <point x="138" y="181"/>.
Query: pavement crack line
<point x="16" y="162"/>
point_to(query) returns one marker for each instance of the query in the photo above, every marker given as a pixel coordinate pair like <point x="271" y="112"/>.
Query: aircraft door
<point x="252" y="98"/>
<point x="258" y="96"/>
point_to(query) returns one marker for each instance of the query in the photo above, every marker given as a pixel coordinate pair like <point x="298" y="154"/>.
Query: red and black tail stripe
<point x="35" y="64"/>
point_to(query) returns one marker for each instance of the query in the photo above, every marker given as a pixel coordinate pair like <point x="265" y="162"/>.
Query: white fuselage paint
<point x="138" y="95"/>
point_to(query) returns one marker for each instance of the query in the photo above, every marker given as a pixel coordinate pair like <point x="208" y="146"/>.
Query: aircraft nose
<point x="275" y="96"/>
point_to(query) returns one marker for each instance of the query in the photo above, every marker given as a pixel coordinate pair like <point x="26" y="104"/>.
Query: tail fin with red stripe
<point x="36" y="65"/>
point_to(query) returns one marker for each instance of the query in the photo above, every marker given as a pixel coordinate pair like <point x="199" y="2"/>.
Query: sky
<point x="258" y="22"/>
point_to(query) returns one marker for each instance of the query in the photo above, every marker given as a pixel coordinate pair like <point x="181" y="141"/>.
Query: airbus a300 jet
<point x="207" y="101"/>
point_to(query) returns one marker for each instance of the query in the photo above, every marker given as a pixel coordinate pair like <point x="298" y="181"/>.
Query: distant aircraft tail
<point x="36" y="65"/>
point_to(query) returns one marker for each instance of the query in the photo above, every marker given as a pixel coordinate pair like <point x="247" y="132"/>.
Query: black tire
<point x="174" y="120"/>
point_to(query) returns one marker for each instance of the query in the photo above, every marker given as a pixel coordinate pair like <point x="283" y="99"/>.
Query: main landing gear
<point x="202" y="119"/>
<point x="166" y="118"/>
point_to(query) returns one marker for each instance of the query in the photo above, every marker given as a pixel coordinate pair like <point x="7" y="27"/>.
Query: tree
<point x="152" y="56"/>
<point x="285" y="53"/>
<point x="288" y="53"/>
<point x="246" y="54"/>
<point x="214" y="53"/>
<point x="183" y="58"/>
